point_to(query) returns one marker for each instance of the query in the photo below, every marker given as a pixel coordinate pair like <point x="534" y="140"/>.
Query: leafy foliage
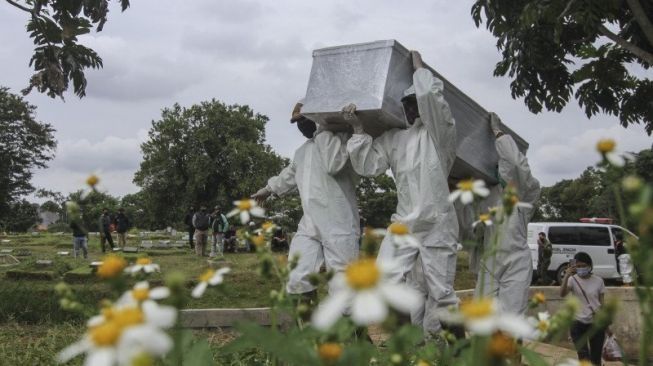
<point x="552" y="49"/>
<point x="377" y="199"/>
<point x="208" y="154"/>
<point x="58" y="58"/>
<point x="25" y="144"/>
<point x="24" y="215"/>
<point x="91" y="207"/>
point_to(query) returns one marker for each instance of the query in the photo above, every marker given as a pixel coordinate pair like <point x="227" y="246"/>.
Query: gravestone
<point x="130" y="250"/>
<point x="35" y="233"/>
<point x="23" y="252"/>
<point x="147" y="244"/>
<point x="6" y="251"/>
<point x="117" y="249"/>
<point x="178" y="244"/>
<point x="95" y="265"/>
<point x="163" y="244"/>
<point x="5" y="241"/>
<point x="7" y="260"/>
<point x="63" y="254"/>
<point x="44" y="263"/>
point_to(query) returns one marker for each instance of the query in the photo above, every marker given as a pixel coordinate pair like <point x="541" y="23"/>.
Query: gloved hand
<point x="496" y="125"/>
<point x="349" y="114"/>
<point x="320" y="129"/>
<point x="262" y="194"/>
<point x="417" y="60"/>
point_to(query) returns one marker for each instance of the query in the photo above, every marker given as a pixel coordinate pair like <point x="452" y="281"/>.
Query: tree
<point x="208" y="154"/>
<point x="553" y="48"/>
<point x="92" y="205"/>
<point x="377" y="199"/>
<point x="24" y="215"/>
<point x="25" y="145"/>
<point x="58" y="58"/>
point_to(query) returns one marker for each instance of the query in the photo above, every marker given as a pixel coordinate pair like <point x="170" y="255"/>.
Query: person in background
<point x="188" y="220"/>
<point x="279" y="241"/>
<point x="544" y="253"/>
<point x="201" y="221"/>
<point x="105" y="229"/>
<point x="219" y="225"/>
<point x="80" y="239"/>
<point x="589" y="289"/>
<point x="619" y="248"/>
<point x="122" y="225"/>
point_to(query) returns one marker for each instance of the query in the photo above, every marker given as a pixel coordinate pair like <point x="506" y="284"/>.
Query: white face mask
<point x="583" y="272"/>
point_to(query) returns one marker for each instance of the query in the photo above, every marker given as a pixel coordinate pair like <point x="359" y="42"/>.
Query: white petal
<point x="331" y="309"/>
<point x="104" y="356"/>
<point x="159" y="293"/>
<point x="141" y="285"/>
<point x="454" y="195"/>
<point x="368" y="307"/>
<point x="233" y="212"/>
<point x="198" y="291"/>
<point x="237" y="203"/>
<point x="466" y="197"/>
<point x="150" y="268"/>
<point x="482" y="191"/>
<point x="380" y="232"/>
<point x="488" y="222"/>
<point x="162" y="316"/>
<point x="515" y="325"/>
<point x="478" y="183"/>
<point x="401" y="297"/>
<point x="149" y="338"/>
<point x="615" y="159"/>
<point x="485" y="326"/>
<point x="216" y="279"/>
<point x="244" y="217"/>
<point x="223" y="270"/>
<point x="96" y="320"/>
<point x="257" y="211"/>
<point x="543" y="316"/>
<point x="126" y="299"/>
<point x="73" y="350"/>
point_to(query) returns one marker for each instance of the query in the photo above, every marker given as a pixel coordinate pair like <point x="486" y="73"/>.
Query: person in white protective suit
<point x="328" y="231"/>
<point x="420" y="158"/>
<point x="506" y="274"/>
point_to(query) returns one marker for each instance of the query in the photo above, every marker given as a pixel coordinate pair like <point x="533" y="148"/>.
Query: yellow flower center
<point x="501" y="345"/>
<point x="539" y="298"/>
<point x="106" y="334"/>
<point x="143" y="261"/>
<point x="107" y="313"/>
<point x="141" y="294"/>
<point x="92" y="180"/>
<point x="514" y="200"/>
<point x="477" y="309"/>
<point x="244" y="205"/>
<point x="362" y="274"/>
<point x="258" y="240"/>
<point x="423" y="363"/>
<point x="329" y="352"/>
<point x="543" y="325"/>
<point x="267" y="225"/>
<point x="466" y="185"/>
<point x="398" y="228"/>
<point x="605" y="146"/>
<point x="484" y="217"/>
<point x="206" y="276"/>
<point x="111" y="266"/>
<point x="128" y="317"/>
<point x="584" y="363"/>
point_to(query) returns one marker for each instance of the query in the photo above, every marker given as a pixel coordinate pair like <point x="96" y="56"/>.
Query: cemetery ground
<point x="33" y="327"/>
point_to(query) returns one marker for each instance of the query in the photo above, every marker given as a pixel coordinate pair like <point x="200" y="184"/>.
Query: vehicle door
<point x="564" y="240"/>
<point x="597" y="242"/>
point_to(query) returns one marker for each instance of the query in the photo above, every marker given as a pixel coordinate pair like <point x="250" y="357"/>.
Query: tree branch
<point x="640" y="16"/>
<point x="627" y="45"/>
<point x="21" y="7"/>
<point x="567" y="9"/>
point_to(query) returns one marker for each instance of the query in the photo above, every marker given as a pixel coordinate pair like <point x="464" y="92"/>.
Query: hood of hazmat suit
<point x="421" y="158"/>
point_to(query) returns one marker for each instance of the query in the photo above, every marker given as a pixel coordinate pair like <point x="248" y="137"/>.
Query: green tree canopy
<point x="24" y="216"/>
<point x="554" y="48"/>
<point x="25" y="144"/>
<point x="208" y="154"/>
<point x="92" y="205"/>
<point x="377" y="199"/>
<point x="58" y="58"/>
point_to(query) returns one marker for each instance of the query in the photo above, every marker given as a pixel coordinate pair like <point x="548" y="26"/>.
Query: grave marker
<point x="44" y="263"/>
<point x="130" y="250"/>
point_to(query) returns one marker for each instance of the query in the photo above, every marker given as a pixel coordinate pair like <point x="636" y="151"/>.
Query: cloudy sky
<point x="259" y="53"/>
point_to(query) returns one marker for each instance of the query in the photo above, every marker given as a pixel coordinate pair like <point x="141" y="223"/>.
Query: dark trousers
<point x="104" y="237"/>
<point x="191" y="233"/>
<point x="590" y="349"/>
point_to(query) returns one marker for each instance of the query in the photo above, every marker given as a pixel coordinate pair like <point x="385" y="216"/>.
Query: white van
<point x="569" y="238"/>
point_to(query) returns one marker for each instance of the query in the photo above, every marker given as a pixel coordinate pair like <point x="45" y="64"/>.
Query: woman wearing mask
<point x="589" y="290"/>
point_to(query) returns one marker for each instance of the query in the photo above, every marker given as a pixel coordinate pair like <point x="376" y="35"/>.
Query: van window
<point x="579" y="235"/>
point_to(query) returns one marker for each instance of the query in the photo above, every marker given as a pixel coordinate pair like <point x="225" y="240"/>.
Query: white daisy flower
<point x="210" y="277"/>
<point x="400" y="234"/>
<point x="141" y="292"/>
<point x="467" y="189"/>
<point x="143" y="264"/>
<point x="121" y="333"/>
<point x="362" y="289"/>
<point x="245" y="208"/>
<point x="485" y="219"/>
<point x="267" y="228"/>
<point x="481" y="316"/>
<point x="607" y="149"/>
<point x="541" y="324"/>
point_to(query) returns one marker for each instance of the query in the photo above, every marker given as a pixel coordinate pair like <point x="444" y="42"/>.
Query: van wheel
<point x="561" y="273"/>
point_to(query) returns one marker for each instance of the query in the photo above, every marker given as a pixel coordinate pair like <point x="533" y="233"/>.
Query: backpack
<point x="202" y="221"/>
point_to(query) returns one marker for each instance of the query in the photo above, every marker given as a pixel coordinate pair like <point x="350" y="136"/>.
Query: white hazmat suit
<point x="507" y="274"/>
<point x="420" y="158"/>
<point x="329" y="230"/>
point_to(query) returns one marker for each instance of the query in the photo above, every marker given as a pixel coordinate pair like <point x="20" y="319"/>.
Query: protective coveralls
<point x="507" y="274"/>
<point x="420" y="158"/>
<point x="328" y="232"/>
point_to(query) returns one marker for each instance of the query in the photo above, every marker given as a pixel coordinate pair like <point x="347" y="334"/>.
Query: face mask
<point x="583" y="272"/>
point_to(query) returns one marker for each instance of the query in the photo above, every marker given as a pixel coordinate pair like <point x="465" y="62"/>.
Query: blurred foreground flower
<point x="245" y="208"/>
<point x="501" y="345"/>
<point x="123" y="333"/>
<point x="400" y="235"/>
<point x="141" y="292"/>
<point x="143" y="264"/>
<point x="607" y="149"/>
<point x="481" y="316"/>
<point x="210" y="277"/>
<point x="541" y="325"/>
<point x="329" y="352"/>
<point x="467" y="189"/>
<point x="485" y="219"/>
<point x="267" y="228"/>
<point x="362" y="288"/>
<point x="112" y="266"/>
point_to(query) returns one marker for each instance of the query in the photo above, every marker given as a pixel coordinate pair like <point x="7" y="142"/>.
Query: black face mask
<point x="306" y="127"/>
